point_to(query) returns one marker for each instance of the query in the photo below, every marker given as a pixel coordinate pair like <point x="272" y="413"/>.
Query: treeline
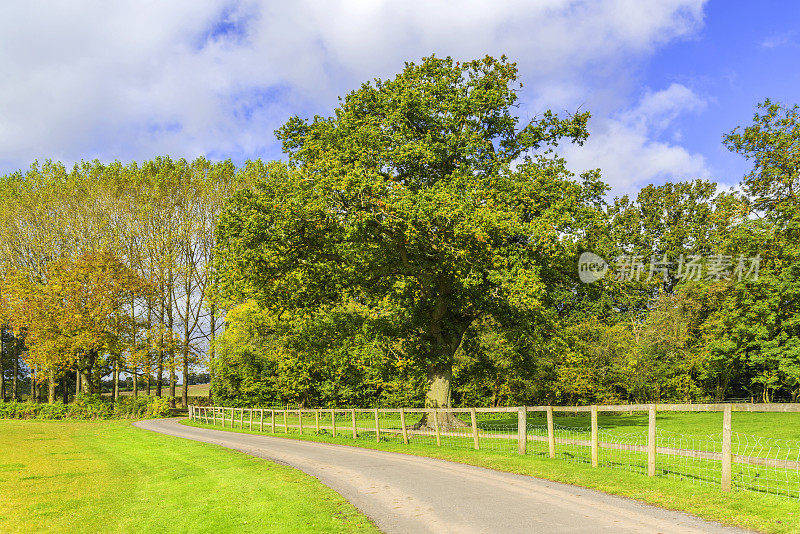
<point x="105" y="269"/>
<point x="423" y="245"/>
<point x="420" y="245"/>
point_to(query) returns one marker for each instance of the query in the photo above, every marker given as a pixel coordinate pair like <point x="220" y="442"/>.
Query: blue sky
<point x="664" y="79"/>
<point x="745" y="52"/>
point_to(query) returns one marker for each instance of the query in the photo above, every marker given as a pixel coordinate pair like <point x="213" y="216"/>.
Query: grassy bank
<point x="108" y="476"/>
<point x="766" y="513"/>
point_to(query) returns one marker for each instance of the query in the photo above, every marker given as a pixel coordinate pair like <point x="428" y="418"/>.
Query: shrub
<point x="131" y="407"/>
<point x="52" y="411"/>
<point x="89" y="407"/>
<point x="158" y="407"/>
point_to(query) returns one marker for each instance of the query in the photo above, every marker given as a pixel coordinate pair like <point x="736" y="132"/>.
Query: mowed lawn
<point x="767" y="513"/>
<point x="112" y="477"/>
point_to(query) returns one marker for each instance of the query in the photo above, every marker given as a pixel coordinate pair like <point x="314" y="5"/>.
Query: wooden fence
<point x="274" y="419"/>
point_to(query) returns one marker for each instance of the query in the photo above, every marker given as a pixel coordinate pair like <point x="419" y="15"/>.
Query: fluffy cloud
<point x="625" y="146"/>
<point x="131" y="81"/>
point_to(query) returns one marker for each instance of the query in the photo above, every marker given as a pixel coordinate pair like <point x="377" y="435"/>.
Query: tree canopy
<point x="423" y="197"/>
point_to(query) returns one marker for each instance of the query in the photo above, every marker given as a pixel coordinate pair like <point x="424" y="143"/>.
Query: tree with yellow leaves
<point x="76" y="318"/>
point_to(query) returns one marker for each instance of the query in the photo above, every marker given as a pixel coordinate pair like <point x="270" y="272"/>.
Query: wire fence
<point x="727" y="459"/>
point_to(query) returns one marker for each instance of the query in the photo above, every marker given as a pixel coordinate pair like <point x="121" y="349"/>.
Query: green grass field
<point x="688" y="492"/>
<point x="60" y="476"/>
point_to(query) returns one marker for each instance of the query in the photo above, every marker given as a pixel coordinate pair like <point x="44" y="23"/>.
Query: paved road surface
<point x="411" y="494"/>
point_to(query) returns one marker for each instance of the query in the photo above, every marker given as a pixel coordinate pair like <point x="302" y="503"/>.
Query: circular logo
<point x="591" y="267"/>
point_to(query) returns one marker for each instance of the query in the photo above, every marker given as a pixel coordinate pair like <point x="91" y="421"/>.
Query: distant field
<point x="690" y="424"/>
<point x="195" y="390"/>
<point x="112" y="477"/>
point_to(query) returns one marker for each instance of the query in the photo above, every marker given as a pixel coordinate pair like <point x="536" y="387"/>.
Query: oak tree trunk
<point x="445" y="339"/>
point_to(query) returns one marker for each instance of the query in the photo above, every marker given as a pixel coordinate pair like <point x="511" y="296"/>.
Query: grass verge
<point x="59" y="476"/>
<point x="765" y="513"/>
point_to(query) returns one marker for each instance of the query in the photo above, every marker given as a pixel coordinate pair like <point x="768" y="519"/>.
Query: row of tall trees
<point x="106" y="269"/>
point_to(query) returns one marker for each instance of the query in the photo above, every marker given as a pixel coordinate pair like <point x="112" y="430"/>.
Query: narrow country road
<point x="411" y="494"/>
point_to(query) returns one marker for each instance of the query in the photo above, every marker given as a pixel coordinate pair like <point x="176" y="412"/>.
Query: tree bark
<point x="15" y="375"/>
<point x="445" y="339"/>
<point x="77" y="381"/>
<point x="160" y="376"/>
<point x="115" y="378"/>
<point x="159" y="371"/>
<point x="212" y="353"/>
<point x="186" y="333"/>
<point x="51" y="387"/>
<point x="439" y="378"/>
<point x="170" y="325"/>
<point x="135" y="382"/>
<point x="65" y="388"/>
<point x="185" y="393"/>
<point x="2" y="366"/>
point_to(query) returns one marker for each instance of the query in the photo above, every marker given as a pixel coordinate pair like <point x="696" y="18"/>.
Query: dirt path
<point x="411" y="494"/>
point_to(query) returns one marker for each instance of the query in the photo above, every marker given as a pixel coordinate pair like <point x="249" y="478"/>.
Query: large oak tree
<point x="425" y="197"/>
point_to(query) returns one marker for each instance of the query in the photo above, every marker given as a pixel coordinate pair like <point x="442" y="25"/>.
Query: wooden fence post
<point x="333" y="422"/>
<point x="651" y="441"/>
<point x="726" y="447"/>
<point x="522" y="430"/>
<point x="436" y="427"/>
<point x="250" y="427"/>
<point x="595" y="438"/>
<point x="214" y="414"/>
<point x="473" y="415"/>
<point x="241" y="420"/>
<point x="300" y="419"/>
<point x="316" y="420"/>
<point x="272" y="421"/>
<point x="377" y="427"/>
<point x="403" y="425"/>
<point x="261" y="420"/>
<point x="355" y="432"/>
<point x="285" y="422"/>
<point x="551" y="433"/>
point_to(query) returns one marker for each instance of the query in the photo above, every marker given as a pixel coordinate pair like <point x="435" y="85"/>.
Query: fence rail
<point x="731" y="460"/>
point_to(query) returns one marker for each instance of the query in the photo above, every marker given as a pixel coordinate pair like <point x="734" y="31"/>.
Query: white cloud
<point x="625" y="148"/>
<point x="779" y="40"/>
<point x="114" y="80"/>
